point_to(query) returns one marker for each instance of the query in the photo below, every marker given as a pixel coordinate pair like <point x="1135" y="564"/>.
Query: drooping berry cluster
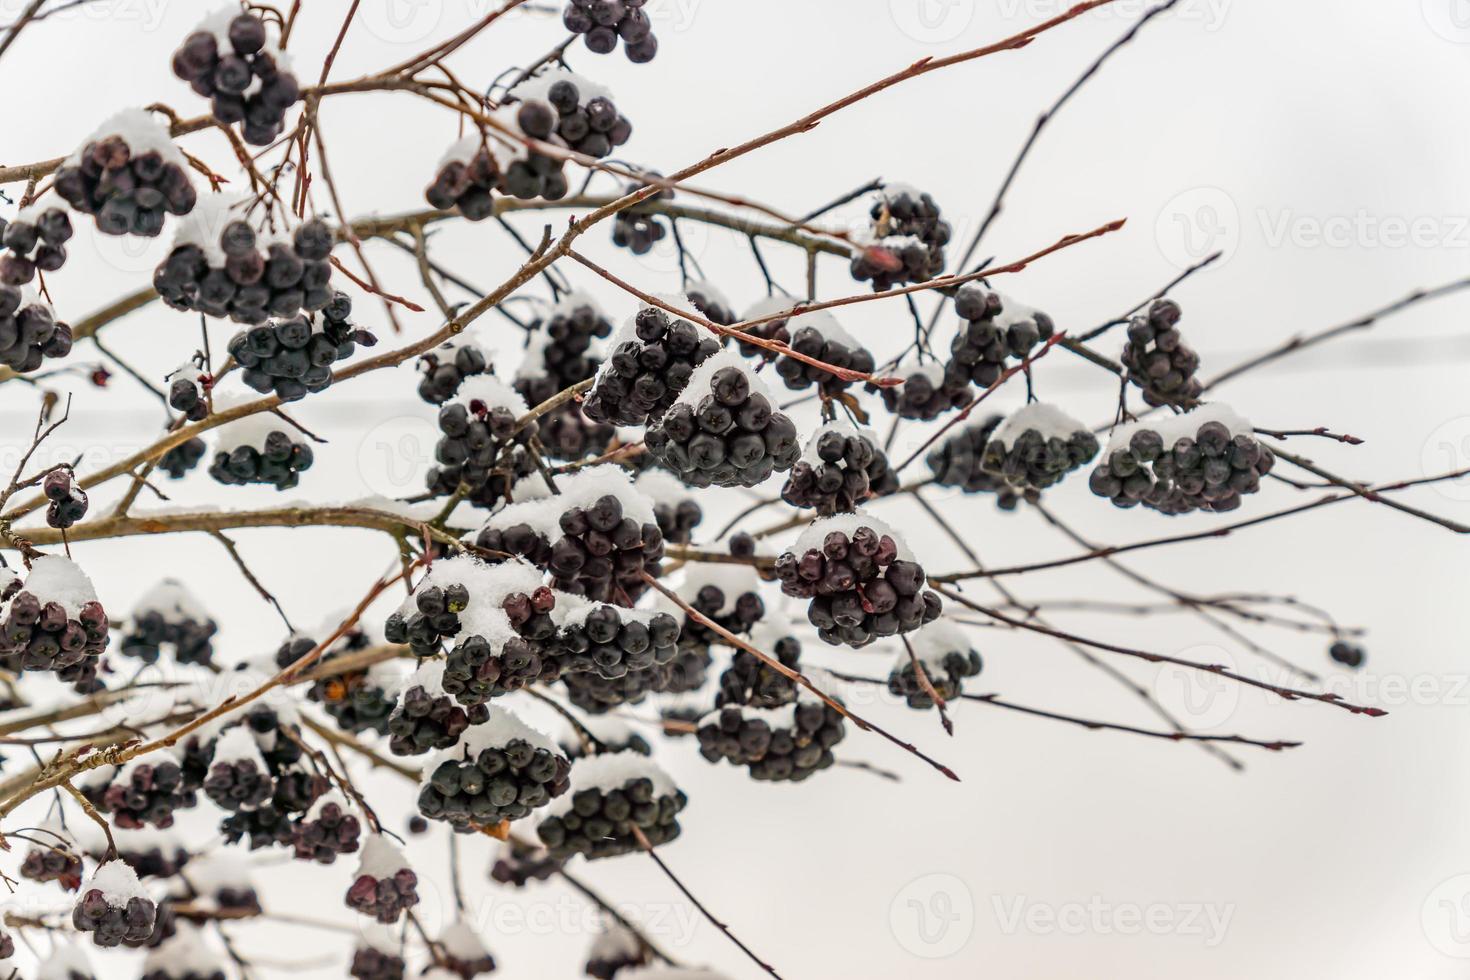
<point x="706" y="298"/>
<point x="616" y="948"/>
<point x="1204" y="460"/>
<point x="861" y="582"/>
<point x="841" y="467"/>
<point x="113" y="907"/>
<point x="501" y="770"/>
<point x="819" y="336"/>
<point x="359" y="701"/>
<point x="558" y="356"/>
<point x="786" y="743"/>
<point x="188" y="387"/>
<point x="636" y="230"/>
<point x="1036" y="447"/>
<point x="145" y="792"/>
<point x="33" y="241"/>
<point x="927" y="392"/>
<point x="947" y="658"/>
<point x="518" y="862"/>
<point x="260" y="448"/>
<point x="239" y="777"/>
<point x="478" y="669"/>
<point x="906" y="241"/>
<point x="615" y="656"/>
<point x="653" y="357"/>
<point x="751" y="681"/>
<point x="581" y="113"/>
<point x="231" y="61"/>
<point x="378" y="955"/>
<point x="183" y="457"/>
<point x="445" y="367"/>
<point x="674" y="506"/>
<point x="53" y="862"/>
<point x="481" y="444"/>
<point x="426" y="717"/>
<point x="68" y="502"/>
<point x="150" y="853"/>
<point x="603" y="22"/>
<point x="465" y="954"/>
<point x="128" y="176"/>
<point x="169" y="615"/>
<point x="55" y="622"/>
<point x="1157" y="358"/>
<point x="724" y="430"/>
<point x="467" y="174"/>
<point x="223" y="266"/>
<point x="1348" y="654"/>
<point x="611" y="795"/>
<point x="29" y="331"/>
<point x="385" y="886"/>
<point x="328" y="829"/>
<point x="294" y="356"/>
<point x="995" y="329"/>
<point x="959" y="461"/>
<point x="434" y="615"/>
<point x="727" y="595"/>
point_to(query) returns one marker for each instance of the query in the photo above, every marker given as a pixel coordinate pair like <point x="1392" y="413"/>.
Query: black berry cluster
<point x="611" y="641"/>
<point x="54" y="622"/>
<point x="239" y="778"/>
<point x="67" y="501"/>
<point x="170" y="616"/>
<point x="1209" y="470"/>
<point x="818" y="336"/>
<point x="502" y="771"/>
<point x="47" y="863"/>
<point x="221" y="266"/>
<point x="947" y="658"/>
<point x="519" y="862"/>
<point x="128" y="178"/>
<point x="114" y="908"/>
<point x="928" y="391"/>
<point x="480" y="444"/>
<point x="959" y="461"/>
<point x="230" y="61"/>
<point x="183" y="457"/>
<point x="445" y="367"/>
<point x="674" y="506"/>
<point x="1035" y="448"/>
<point x="188" y="388"/>
<point x="294" y="356"/>
<point x="1157" y="358"/>
<point x="385" y="886"/>
<point x="327" y="830"/>
<point x="560" y="356"/>
<point x="723" y="432"/>
<point x="563" y="105"/>
<point x="859" y="587"/>
<point x="434" y="617"/>
<point x="1348" y="654"/>
<point x="278" y="459"/>
<point x="611" y="795"/>
<point x="710" y="302"/>
<point x="749" y="680"/>
<point x="464" y="953"/>
<point x="145" y="793"/>
<point x="645" y="375"/>
<point x="427" y="718"/>
<point x="907" y="240"/>
<point x="372" y="963"/>
<point x="994" y="329"/>
<point x="151" y="857"/>
<point x="602" y="23"/>
<point x="358" y="701"/>
<point x="477" y="669"/>
<point x="29" y="331"/>
<point x="466" y="177"/>
<point x="33" y="241"/>
<point x="787" y="743"/>
<point x="638" y="231"/>
<point x="841" y="468"/>
<point x="614" y="949"/>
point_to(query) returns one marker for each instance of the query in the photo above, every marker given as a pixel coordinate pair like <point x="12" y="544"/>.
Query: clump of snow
<point x="893" y="190"/>
<point x="249" y="430"/>
<point x="67" y="960"/>
<point x="910" y="368"/>
<point x="699" y="381"/>
<point x="380" y="858"/>
<point x="1185" y="426"/>
<point x="711" y="293"/>
<point x="933" y="642"/>
<point x="582" y="489"/>
<point x="61" y="580"/>
<point x="429" y="676"/>
<point x="1048" y="420"/>
<point x="376" y="936"/>
<point x="488" y="587"/>
<point x="184" y="954"/>
<point x="662" y="487"/>
<point x="538" y="86"/>
<point x="661" y="972"/>
<point x="615" y="943"/>
<point x="219" y="870"/>
<point x="609" y="772"/>
<point x="1013" y="312"/>
<point x="826" y="325"/>
<point x="203" y="225"/>
<point x="763" y="309"/>
<point x="573" y="301"/>
<point x="731" y="579"/>
<point x="463" y="150"/>
<point x="238" y="744"/>
<point x="48" y="201"/>
<point x="491" y="392"/>
<point x="816" y="532"/>
<point x="172" y="600"/>
<point x="502" y="728"/>
<point x="463" y="943"/>
<point x="117" y="882"/>
<point x="329" y="797"/>
<point x="143" y="131"/>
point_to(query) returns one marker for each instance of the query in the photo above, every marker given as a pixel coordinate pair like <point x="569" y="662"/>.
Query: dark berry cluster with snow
<point x="33" y="241"/>
<point x="426" y="717"/>
<point x="615" y="949"/>
<point x="29" y="331"/>
<point x="467" y="175"/>
<point x="787" y="743"/>
<point x="294" y="356"/>
<point x="610" y="796"/>
<point x="636" y="230"/>
<point x="52" y="862"/>
<point x="54" y="622"/>
<point x="1206" y="459"/>
<point x="707" y="299"/>
<point x="445" y="367"/>
<point x="1157" y="358"/>
<point x="385" y="886"/>
<point x="169" y="616"/>
<point x="862" y="583"/>
<point x="674" y="506"/>
<point x="840" y="468"/>
<point x="906" y="241"/>
<point x="144" y="792"/>
<point x="602" y="23"/>
<point x="653" y="357"/>
<point x="616" y="656"/>
<point x="929" y="389"/>
<point x="958" y="462"/>
<point x="67" y="502"/>
<point x="947" y="658"/>
<point x="360" y="700"/>
<point x="465" y="955"/>
<point x="327" y="830"/>
<point x="374" y="960"/>
<point x="724" y="429"/>
<point x="501" y="770"/>
<point x="183" y="955"/>
<point x="481" y="445"/>
<point x="749" y="680"/>
<point x="581" y="113"/>
<point x="993" y="329"/>
<point x="1036" y="447"/>
<point x="152" y="854"/>
<point x="519" y="862"/>
<point x="819" y="336"/>
<point x="560" y="354"/>
<point x="596" y="735"/>
<point x="259" y="772"/>
<point x="128" y="176"/>
<point x="725" y="594"/>
<point x="188" y="387"/>
<point x="260" y="448"/>
<point x="113" y="907"/>
<point x="230" y="60"/>
<point x="182" y="458"/>
<point x="222" y="266"/>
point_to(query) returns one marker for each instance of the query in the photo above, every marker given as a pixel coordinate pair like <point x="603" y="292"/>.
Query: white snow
<point x="218" y="24"/>
<point x="711" y="293"/>
<point x="29" y="297"/>
<point x="699" y="381"/>
<point x="731" y="579"/>
<point x="380" y="858"/>
<point x="375" y="935"/>
<point x="48" y="201"/>
<point x="492" y="392"/>
<point x="662" y="487"/>
<point x="931" y="369"/>
<point x="1013" y="312"/>
<point x="848" y="524"/>
<point x="183" y="954"/>
<point x="604" y="728"/>
<point x="488" y="586"/>
<point x="238" y="744"/>
<point x="250" y="430"/>
<point x="761" y="309"/>
<point x="628" y="330"/>
<point x="893" y="190"/>
<point x="463" y="943"/>
<point x="1176" y="427"/>
<point x="202" y="226"/>
<point x="609" y="772"/>
<point x="614" y="942"/>
<point x="330" y="796"/>
<point x="1048" y="420"/>
<point x="825" y="324"/>
<point x="171" y="599"/>
<point x="142" y="130"/>
<point x="669" y="973"/>
<point x="579" y="489"/>
<point x="67" y="958"/>
<point x="933" y="642"/>
<point x="429" y="676"/>
<point x="502" y="728"/>
<point x="117" y="882"/>
<point x="538" y="86"/>
<point x="61" y="580"/>
<point x="463" y="150"/>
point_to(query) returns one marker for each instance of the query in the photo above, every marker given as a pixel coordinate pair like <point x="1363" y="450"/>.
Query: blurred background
<point x="1321" y="146"/>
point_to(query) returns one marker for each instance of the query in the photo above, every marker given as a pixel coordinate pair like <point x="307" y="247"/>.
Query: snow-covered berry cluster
<point x="222" y="266"/>
<point x="959" y="461"/>
<point x="1157" y="358"/>
<point x="183" y="457"/>
<point x="445" y="367"/>
<point x="819" y="336"/>
<point x="260" y="448"/>
<point x="749" y="680"/>
<point x="151" y="853"/>
<point x="581" y="113"/>
<point x="328" y="829"/>
<point x="602" y="23"/>
<point x="709" y="301"/>
<point x="427" y="717"/>
<point x="378" y="955"/>
<point x="611" y="796"/>
<point x="785" y="743"/>
<point x="54" y="622"/>
<point x="675" y="508"/>
<point x="906" y="241"/>
<point x="230" y="60"/>
<point x="841" y="467"/>
<point x="653" y="358"/>
<point x="33" y="241"/>
<point x="464" y="953"/>
<point x="294" y="356"/>
<point x="862" y="581"/>
<point x="144" y="791"/>
<point x="385" y="886"/>
<point x="927" y="392"/>
<point x="1206" y="459"/>
<point x="467" y="174"/>
<point x="724" y="428"/>
<point x="561" y="354"/>
<point x="29" y="331"/>
<point x="113" y="907"/>
<point x="1036" y="447"/>
<point x="182" y="956"/>
<point x="638" y="231"/>
<point x="128" y="176"/>
<point x="67" y="502"/>
<point x="947" y="658"/>
<point x="481" y="443"/>
<point x="614" y="949"/>
<point x="518" y="862"/>
<point x="995" y="329"/>
<point x="615" y="656"/>
<point x="500" y="770"/>
<point x="293" y="787"/>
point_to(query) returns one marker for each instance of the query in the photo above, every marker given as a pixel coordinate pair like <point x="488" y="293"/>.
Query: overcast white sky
<point x="1322" y="144"/>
